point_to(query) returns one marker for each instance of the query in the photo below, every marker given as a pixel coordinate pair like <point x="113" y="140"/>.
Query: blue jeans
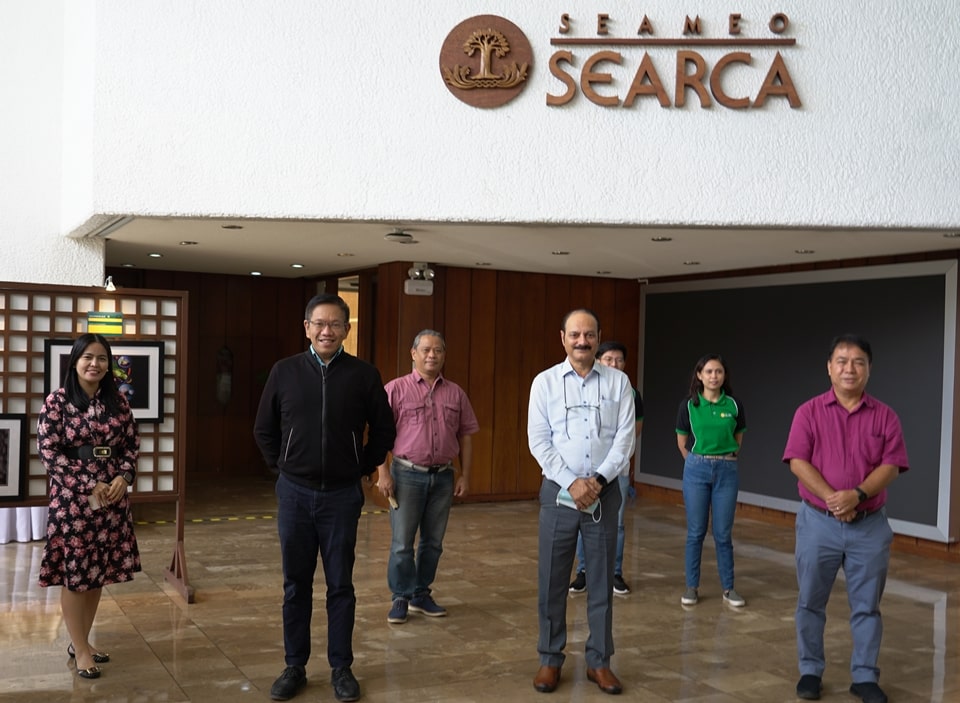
<point x="424" y="501"/>
<point x="862" y="549"/>
<point x="624" y="482"/>
<point x="312" y="522"/>
<point x="710" y="484"/>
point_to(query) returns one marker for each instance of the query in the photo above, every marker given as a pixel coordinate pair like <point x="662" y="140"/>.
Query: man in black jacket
<point x="309" y="428"/>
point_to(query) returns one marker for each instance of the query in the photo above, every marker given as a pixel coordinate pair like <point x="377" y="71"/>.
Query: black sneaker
<point x="808" y="687"/>
<point x="579" y="584"/>
<point x="868" y="692"/>
<point x="619" y="585"/>
<point x="289" y="683"/>
<point x="345" y="686"/>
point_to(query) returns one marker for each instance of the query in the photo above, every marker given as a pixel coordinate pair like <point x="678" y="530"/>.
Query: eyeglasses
<point x="583" y="406"/>
<point x="335" y="326"/>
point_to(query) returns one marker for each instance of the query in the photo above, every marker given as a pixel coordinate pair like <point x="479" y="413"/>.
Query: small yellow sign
<point x="109" y="324"/>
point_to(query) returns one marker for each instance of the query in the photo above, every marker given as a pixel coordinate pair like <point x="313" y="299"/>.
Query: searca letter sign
<point x="593" y="58"/>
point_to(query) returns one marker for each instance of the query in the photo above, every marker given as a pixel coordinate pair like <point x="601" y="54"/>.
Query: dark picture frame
<point x="13" y="457"/>
<point x="137" y="368"/>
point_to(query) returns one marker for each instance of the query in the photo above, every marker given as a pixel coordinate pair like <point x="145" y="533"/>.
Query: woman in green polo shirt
<point x="710" y="426"/>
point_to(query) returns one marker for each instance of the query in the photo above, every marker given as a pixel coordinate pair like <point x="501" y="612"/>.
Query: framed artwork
<point x="13" y="457"/>
<point x="137" y="369"/>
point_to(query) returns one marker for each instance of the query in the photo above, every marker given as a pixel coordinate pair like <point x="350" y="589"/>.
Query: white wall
<point x="337" y="110"/>
<point x="32" y="118"/>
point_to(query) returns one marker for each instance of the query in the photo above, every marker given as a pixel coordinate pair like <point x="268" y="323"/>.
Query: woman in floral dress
<point x="88" y="441"/>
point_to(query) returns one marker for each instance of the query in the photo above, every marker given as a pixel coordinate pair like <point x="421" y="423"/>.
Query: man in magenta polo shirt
<point x="434" y="422"/>
<point x="845" y="447"/>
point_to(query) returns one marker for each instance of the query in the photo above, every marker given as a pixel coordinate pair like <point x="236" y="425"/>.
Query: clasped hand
<point x="109" y="493"/>
<point x="585" y="491"/>
<point x="843" y="504"/>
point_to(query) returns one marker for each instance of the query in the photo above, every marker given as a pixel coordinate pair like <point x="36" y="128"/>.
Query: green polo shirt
<point x="713" y="425"/>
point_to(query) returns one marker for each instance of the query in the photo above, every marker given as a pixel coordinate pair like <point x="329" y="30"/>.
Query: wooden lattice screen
<point x="31" y="314"/>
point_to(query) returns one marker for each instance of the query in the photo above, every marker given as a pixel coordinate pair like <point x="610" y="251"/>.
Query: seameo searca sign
<point x="486" y="61"/>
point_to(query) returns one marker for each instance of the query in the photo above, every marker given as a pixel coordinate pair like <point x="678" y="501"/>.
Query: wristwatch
<point x="861" y="494"/>
<point x="601" y="480"/>
<point x="128" y="477"/>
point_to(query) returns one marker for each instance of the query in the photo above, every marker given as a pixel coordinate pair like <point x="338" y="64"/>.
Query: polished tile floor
<point x="228" y="646"/>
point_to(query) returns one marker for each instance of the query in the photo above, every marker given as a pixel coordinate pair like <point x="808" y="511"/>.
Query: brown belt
<point x="860" y="515"/>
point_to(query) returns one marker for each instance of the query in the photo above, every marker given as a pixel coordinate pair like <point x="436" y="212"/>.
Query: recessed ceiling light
<point x="296" y="266"/>
<point x="661" y="239"/>
<point x="128" y="266"/>
<point x="603" y="273"/>
<point x="560" y="253"/>
<point x="231" y="226"/>
<point x="345" y="253"/>
<point x="255" y="273"/>
<point x="155" y="255"/>
<point x="804" y="251"/>
<point x="186" y="243"/>
<point x="691" y="263"/>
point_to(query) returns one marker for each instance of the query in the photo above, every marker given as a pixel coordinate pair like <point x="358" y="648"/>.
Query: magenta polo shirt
<point x="430" y="420"/>
<point x="845" y="447"/>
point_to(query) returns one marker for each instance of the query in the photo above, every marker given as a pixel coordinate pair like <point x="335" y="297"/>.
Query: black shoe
<point x="289" y="683"/>
<point x="94" y="673"/>
<point x="579" y="584"/>
<point x="619" y="585"/>
<point x="345" y="686"/>
<point x="868" y="692"/>
<point x="98" y="657"/>
<point x="808" y="687"/>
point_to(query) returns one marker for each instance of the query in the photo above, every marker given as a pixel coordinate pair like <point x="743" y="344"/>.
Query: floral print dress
<point x="86" y="548"/>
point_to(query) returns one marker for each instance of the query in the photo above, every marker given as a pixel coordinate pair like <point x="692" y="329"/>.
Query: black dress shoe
<point x="808" y="687"/>
<point x="289" y="683"/>
<point x="345" y="686"/>
<point x="868" y="692"/>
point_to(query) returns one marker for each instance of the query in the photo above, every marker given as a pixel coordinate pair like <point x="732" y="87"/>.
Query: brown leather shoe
<point x="606" y="680"/>
<point x="547" y="679"/>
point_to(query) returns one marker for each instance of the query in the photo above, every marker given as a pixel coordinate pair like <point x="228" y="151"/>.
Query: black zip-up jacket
<point x="311" y="420"/>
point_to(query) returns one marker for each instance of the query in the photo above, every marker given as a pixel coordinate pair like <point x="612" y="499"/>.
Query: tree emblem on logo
<point x="487" y="42"/>
<point x="490" y="79"/>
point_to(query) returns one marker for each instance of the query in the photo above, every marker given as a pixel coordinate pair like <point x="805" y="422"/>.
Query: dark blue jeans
<point x="312" y="522"/>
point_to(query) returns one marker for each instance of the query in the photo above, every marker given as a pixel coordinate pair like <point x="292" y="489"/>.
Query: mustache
<point x="583" y="347"/>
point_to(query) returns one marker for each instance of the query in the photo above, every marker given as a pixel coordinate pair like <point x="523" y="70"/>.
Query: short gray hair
<point x="428" y="333"/>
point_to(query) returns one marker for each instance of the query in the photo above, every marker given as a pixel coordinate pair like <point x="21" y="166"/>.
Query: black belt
<point x="860" y="515"/>
<point x="88" y="452"/>
<point x="427" y="469"/>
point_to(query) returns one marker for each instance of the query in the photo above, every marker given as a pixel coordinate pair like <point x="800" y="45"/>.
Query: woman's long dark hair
<point x="109" y="393"/>
<point x="696" y="385"/>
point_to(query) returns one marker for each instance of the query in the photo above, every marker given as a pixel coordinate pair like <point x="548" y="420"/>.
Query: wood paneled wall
<point x="502" y="329"/>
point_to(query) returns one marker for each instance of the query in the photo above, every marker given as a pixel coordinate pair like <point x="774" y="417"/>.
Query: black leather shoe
<point x="345" y="686"/>
<point x="868" y="692"/>
<point x="808" y="687"/>
<point x="289" y="683"/>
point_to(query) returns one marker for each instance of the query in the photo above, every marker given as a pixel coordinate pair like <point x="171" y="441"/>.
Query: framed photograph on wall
<point x="137" y="369"/>
<point x="13" y="457"/>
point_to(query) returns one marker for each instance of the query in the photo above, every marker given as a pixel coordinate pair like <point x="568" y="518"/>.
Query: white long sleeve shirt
<point x="580" y="426"/>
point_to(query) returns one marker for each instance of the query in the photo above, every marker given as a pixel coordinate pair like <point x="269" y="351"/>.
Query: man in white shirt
<point x="581" y="430"/>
